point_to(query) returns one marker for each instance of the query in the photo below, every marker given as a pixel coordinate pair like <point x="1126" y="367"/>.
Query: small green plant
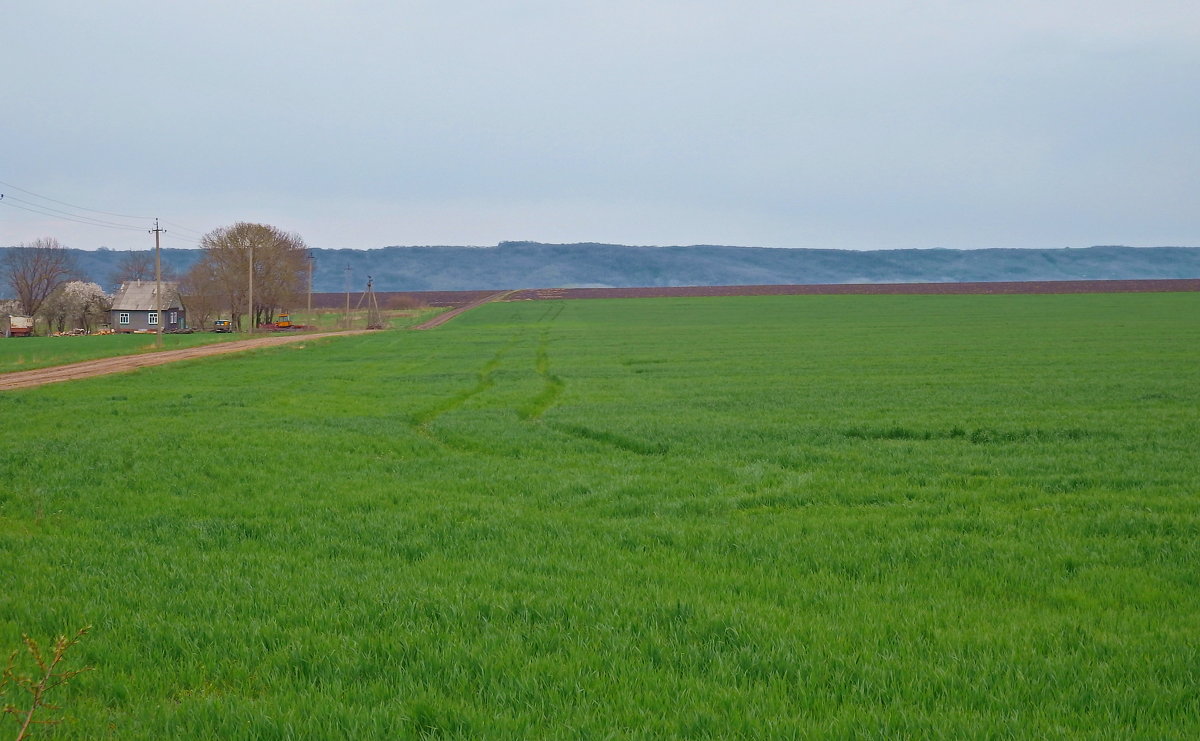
<point x="49" y="675"/>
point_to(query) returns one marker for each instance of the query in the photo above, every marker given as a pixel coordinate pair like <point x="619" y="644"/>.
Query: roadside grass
<point x="29" y="353"/>
<point x="881" y="516"/>
<point x="328" y="320"/>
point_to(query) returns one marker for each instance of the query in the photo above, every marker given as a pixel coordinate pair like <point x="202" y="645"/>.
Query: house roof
<point x="138" y="295"/>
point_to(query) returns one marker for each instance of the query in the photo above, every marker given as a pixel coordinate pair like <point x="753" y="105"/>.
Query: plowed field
<point x="462" y="298"/>
<point x="1014" y="287"/>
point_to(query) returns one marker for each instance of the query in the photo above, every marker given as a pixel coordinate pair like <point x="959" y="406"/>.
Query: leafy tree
<point x="280" y="268"/>
<point x="35" y="270"/>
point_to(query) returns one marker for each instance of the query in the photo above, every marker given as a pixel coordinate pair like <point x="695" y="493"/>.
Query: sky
<point x="862" y="124"/>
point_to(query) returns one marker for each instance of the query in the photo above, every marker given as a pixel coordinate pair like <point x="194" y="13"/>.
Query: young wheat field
<point x="743" y="517"/>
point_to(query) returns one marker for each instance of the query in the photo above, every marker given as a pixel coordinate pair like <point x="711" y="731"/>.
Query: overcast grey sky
<point x="365" y="123"/>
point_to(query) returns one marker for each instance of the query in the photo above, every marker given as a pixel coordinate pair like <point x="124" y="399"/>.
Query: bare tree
<point x="280" y="267"/>
<point x="134" y="266"/>
<point x="138" y="265"/>
<point x="35" y="270"/>
<point x="202" y="294"/>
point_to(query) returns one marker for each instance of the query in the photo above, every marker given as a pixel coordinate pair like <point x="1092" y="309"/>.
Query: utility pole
<point x="347" y="296"/>
<point x="311" y="260"/>
<point x="250" y="293"/>
<point x="374" y="318"/>
<point x="157" y="284"/>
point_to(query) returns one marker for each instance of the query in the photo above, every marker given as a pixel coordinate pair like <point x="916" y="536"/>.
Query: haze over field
<point x="867" y="125"/>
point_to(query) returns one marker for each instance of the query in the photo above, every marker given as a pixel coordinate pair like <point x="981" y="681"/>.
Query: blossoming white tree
<point x="76" y="305"/>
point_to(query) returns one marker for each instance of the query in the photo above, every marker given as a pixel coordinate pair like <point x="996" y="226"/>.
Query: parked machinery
<point x="18" y="326"/>
<point x="283" y="323"/>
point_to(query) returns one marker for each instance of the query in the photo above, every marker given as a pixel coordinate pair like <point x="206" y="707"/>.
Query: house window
<point x="152" y="318"/>
<point x="173" y="317"/>
<point x="123" y="317"/>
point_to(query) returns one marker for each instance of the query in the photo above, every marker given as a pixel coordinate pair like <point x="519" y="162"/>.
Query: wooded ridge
<point x="538" y="265"/>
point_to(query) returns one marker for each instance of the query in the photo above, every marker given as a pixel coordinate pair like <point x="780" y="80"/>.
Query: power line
<point x="81" y="208"/>
<point x="8" y="202"/>
<point x="177" y="238"/>
<point x="56" y="213"/>
<point x="97" y="222"/>
<point x="180" y="226"/>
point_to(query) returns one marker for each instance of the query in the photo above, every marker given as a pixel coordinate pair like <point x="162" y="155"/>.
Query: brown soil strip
<point x="123" y="363"/>
<point x="461" y="298"/>
<point x="979" y="288"/>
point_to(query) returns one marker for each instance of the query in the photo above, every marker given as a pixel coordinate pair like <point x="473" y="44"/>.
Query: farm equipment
<point x="222" y="325"/>
<point x="283" y="323"/>
<point x="18" y="326"/>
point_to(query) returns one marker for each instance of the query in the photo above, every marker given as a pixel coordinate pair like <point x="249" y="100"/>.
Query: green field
<point x="771" y="517"/>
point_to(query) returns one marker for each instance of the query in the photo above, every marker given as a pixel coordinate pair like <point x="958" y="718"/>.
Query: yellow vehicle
<point x="283" y="323"/>
<point x="222" y="325"/>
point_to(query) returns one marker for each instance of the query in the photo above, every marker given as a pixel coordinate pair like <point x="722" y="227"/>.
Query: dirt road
<point x="122" y="363"/>
<point x="441" y="319"/>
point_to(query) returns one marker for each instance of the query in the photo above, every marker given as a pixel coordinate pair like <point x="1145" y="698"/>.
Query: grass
<point x="328" y="320"/>
<point x="886" y="516"/>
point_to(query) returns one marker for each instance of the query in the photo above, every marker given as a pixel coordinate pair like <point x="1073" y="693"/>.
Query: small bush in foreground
<point x="38" y="685"/>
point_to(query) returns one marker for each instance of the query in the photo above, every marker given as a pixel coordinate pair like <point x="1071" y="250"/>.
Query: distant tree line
<point x="533" y="265"/>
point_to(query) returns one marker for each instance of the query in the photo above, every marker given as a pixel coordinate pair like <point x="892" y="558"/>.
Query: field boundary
<point x="446" y="316"/>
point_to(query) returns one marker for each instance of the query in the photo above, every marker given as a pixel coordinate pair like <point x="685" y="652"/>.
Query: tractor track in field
<point x="125" y="363"/>
<point x="485" y="380"/>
